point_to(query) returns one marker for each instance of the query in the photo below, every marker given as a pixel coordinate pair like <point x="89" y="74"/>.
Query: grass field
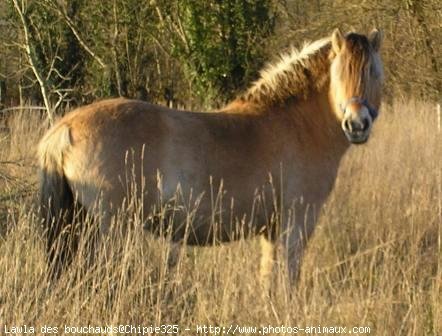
<point x="375" y="259"/>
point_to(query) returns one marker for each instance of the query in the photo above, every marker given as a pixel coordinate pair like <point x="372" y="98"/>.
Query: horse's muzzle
<point x="357" y="130"/>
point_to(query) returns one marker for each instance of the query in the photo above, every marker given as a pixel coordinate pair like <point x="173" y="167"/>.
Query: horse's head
<point x="356" y="79"/>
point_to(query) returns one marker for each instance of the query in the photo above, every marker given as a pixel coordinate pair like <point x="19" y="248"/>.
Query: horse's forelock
<point x="357" y="43"/>
<point x="355" y="58"/>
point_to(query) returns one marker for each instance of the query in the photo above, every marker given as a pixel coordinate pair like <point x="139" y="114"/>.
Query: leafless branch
<point x="31" y="58"/>
<point x="60" y="11"/>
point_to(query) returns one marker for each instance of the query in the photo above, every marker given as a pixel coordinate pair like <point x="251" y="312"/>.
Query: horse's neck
<point x="311" y="129"/>
<point x="300" y="127"/>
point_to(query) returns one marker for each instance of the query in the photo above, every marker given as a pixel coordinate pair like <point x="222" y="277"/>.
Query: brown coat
<point x="272" y="153"/>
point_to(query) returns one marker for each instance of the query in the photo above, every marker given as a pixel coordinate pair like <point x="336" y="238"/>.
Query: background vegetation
<point x="376" y="257"/>
<point x="194" y="53"/>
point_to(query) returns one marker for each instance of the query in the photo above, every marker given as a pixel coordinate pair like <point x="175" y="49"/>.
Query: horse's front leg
<point x="283" y="256"/>
<point x="289" y="252"/>
<point x="293" y="238"/>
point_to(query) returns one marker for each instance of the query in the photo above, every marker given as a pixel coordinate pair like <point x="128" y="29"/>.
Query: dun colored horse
<point x="271" y="155"/>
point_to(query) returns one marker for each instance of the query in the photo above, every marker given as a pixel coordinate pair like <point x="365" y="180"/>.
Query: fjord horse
<point x="271" y="156"/>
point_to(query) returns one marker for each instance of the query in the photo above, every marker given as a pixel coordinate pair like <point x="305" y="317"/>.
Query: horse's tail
<point x="56" y="197"/>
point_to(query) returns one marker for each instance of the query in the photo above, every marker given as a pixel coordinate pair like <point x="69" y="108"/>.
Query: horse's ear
<point x="375" y="39"/>
<point x="337" y="40"/>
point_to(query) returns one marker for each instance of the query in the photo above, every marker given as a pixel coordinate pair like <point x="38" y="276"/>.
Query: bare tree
<point x="56" y="6"/>
<point x="21" y="9"/>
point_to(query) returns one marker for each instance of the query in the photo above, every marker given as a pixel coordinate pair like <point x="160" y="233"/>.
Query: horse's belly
<point x="203" y="209"/>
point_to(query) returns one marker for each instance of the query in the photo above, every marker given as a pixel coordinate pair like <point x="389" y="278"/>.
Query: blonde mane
<point x="295" y="75"/>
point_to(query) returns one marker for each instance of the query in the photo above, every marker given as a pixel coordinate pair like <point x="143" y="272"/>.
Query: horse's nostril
<point x="356" y="125"/>
<point x="365" y="124"/>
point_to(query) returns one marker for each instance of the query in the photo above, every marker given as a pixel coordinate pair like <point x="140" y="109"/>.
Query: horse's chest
<point x="311" y="182"/>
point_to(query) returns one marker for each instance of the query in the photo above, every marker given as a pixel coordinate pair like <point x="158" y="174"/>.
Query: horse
<point x="271" y="155"/>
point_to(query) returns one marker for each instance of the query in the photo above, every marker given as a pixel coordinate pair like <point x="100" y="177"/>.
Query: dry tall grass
<point x="375" y="259"/>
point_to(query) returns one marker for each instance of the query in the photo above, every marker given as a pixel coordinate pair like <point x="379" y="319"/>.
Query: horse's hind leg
<point x="99" y="240"/>
<point x="94" y="232"/>
<point x="62" y="234"/>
